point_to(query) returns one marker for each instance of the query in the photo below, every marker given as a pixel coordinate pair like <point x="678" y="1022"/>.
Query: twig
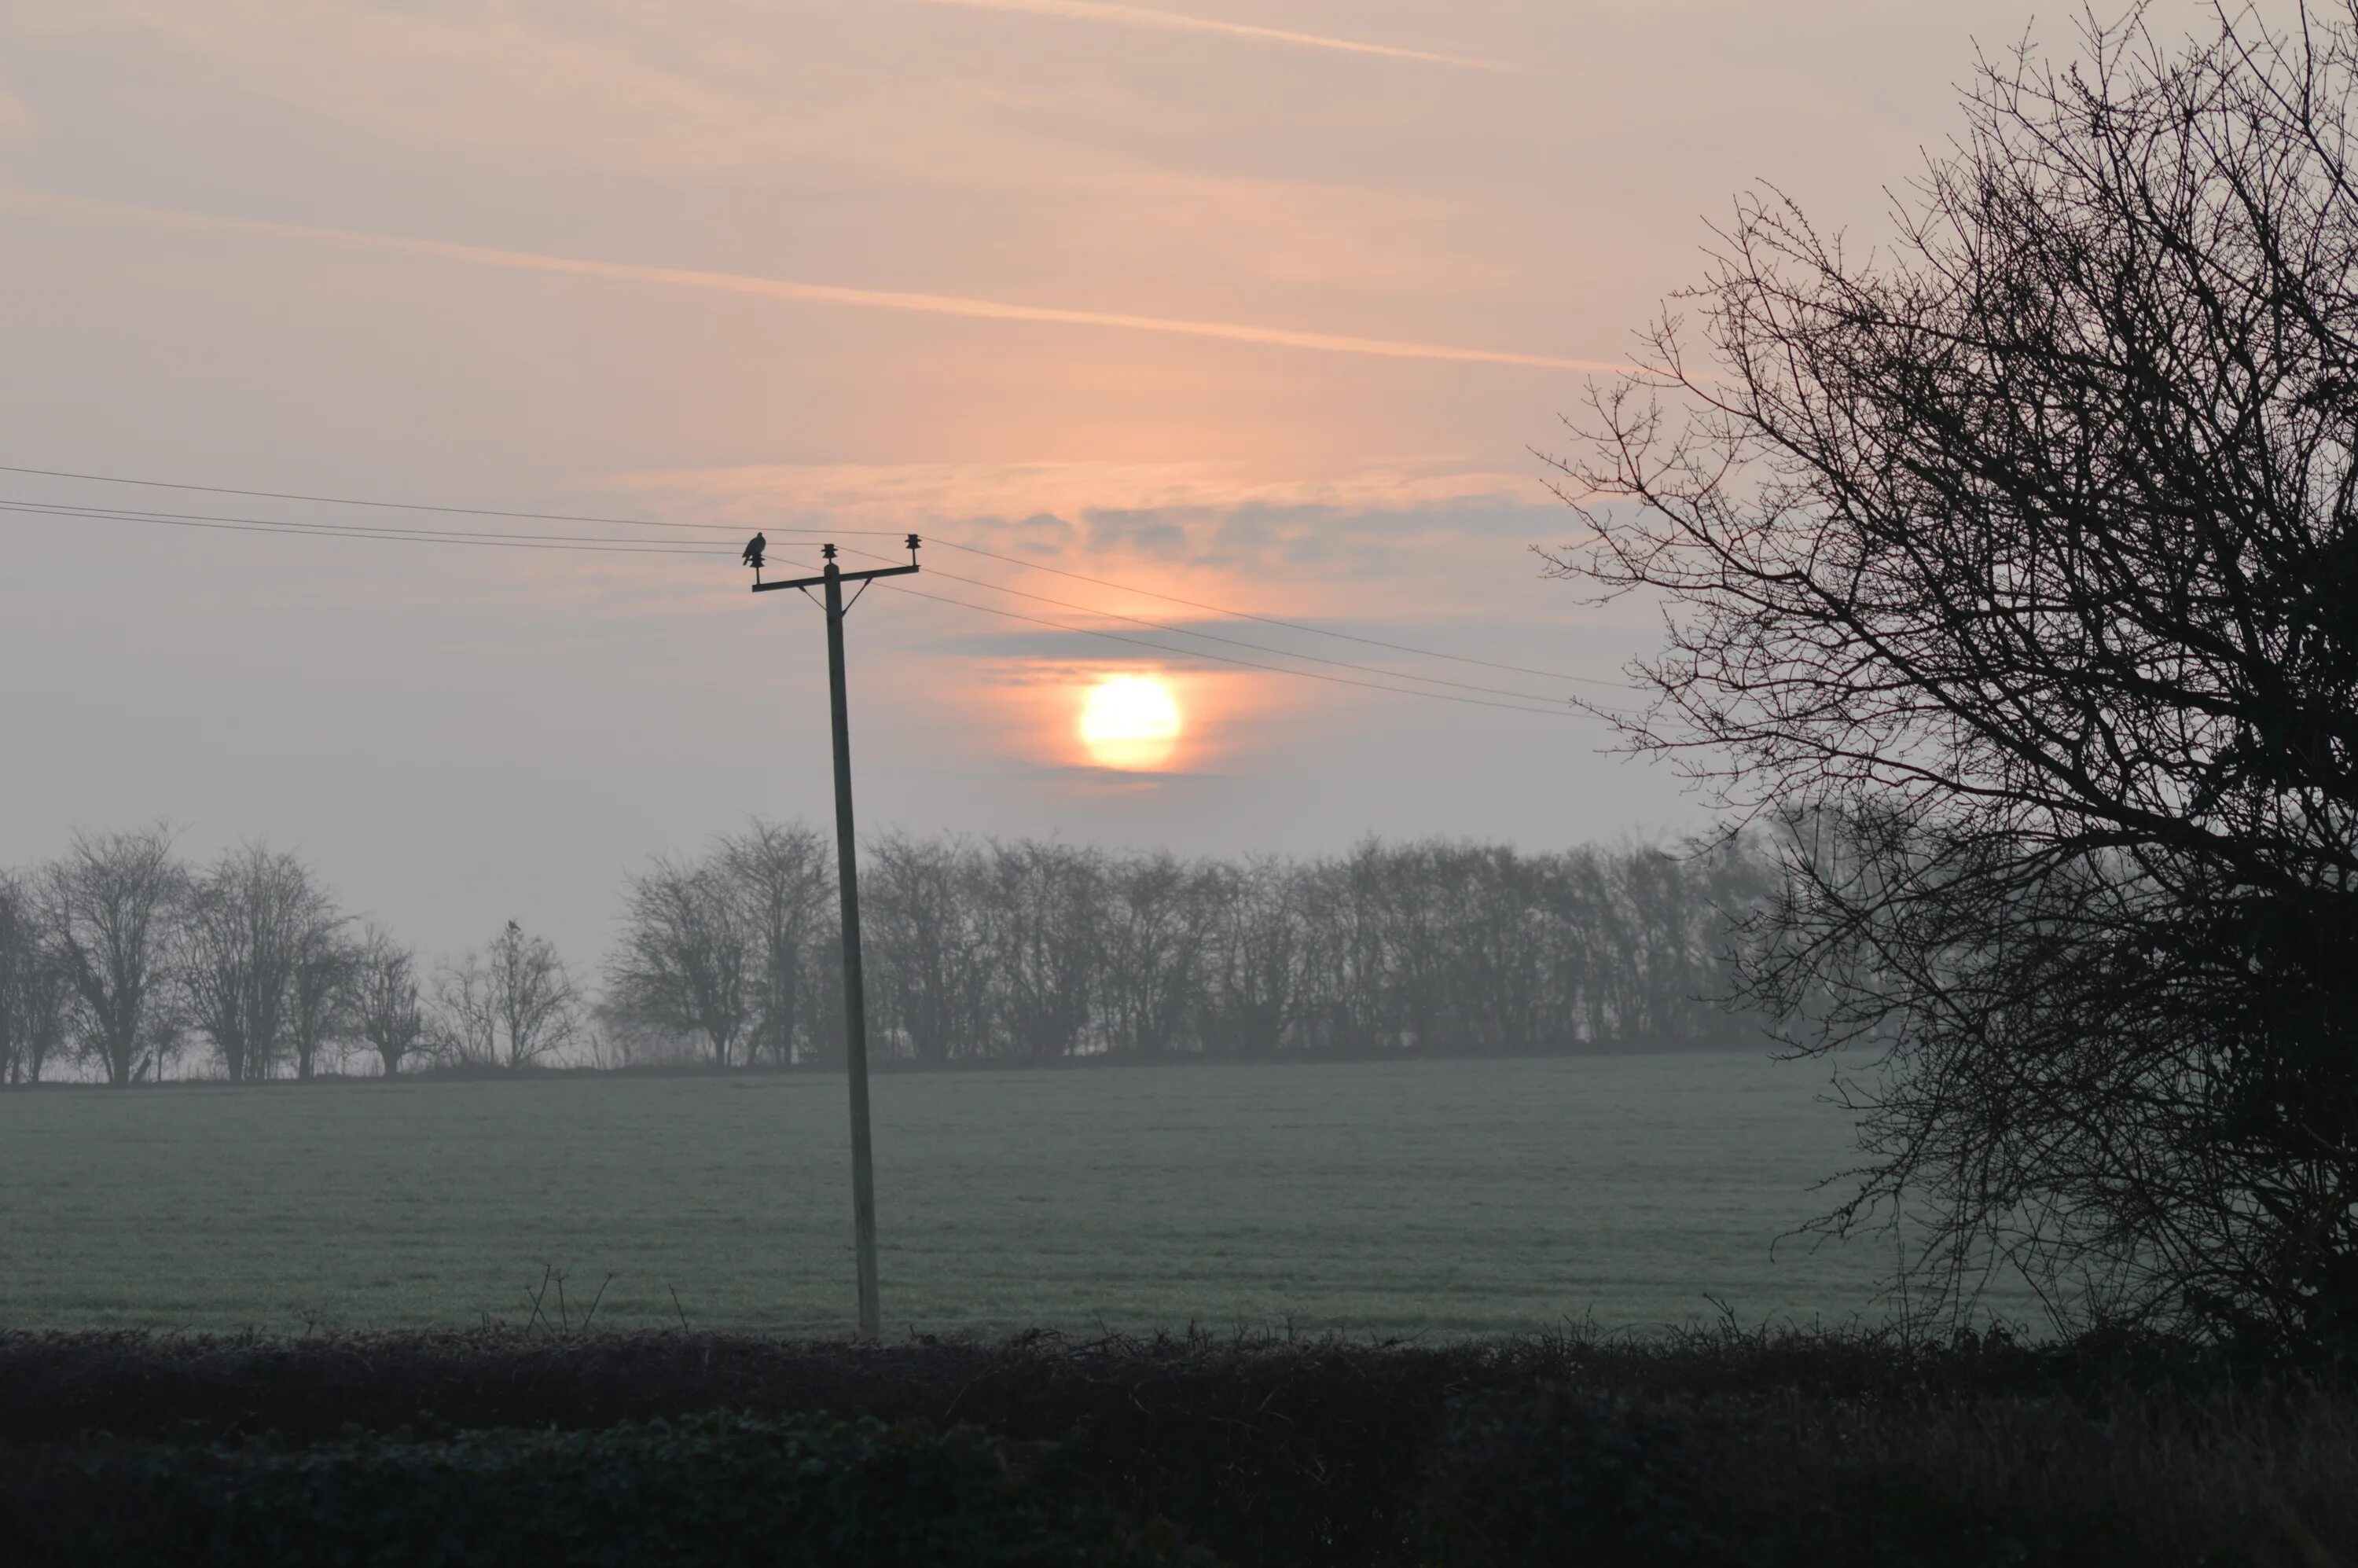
<point x="675" y="1306"/>
<point x="534" y="1297"/>
<point x="595" y="1300"/>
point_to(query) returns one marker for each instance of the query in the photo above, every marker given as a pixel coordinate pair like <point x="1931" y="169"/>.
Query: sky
<point x="1267" y="305"/>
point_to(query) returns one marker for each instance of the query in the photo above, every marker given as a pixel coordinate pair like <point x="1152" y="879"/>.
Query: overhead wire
<point x="1224" y="658"/>
<point x="351" y="531"/>
<point x="421" y="506"/>
<point x="449" y="537"/>
<point x="1272" y="619"/>
<point x="1018" y="561"/>
<point x="1217" y="637"/>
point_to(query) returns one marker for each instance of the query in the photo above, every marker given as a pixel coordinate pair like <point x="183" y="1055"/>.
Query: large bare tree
<point x="109" y="903"/>
<point x="2010" y="567"/>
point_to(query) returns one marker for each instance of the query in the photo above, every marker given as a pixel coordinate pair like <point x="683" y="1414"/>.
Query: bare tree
<point x="257" y="960"/>
<point x="691" y="955"/>
<point x="387" y="1011"/>
<point x="783" y="876"/>
<point x="1039" y="916"/>
<point x="321" y="999"/>
<point x="109" y="905"/>
<point x="466" y="1023"/>
<point x="533" y="998"/>
<point x="932" y="981"/>
<point x="33" y="992"/>
<point x="1251" y="972"/>
<point x="2009" y="570"/>
<point x="1155" y="929"/>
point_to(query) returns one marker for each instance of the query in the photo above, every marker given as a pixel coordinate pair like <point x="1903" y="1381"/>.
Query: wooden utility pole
<point x="847" y="862"/>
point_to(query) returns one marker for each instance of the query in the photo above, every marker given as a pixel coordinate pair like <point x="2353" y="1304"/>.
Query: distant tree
<point x="1041" y="916"/>
<point x="33" y="993"/>
<point x="321" y="1000"/>
<point x="386" y="1009"/>
<point x="1155" y="929"/>
<point x="932" y="981"/>
<point x="466" y="1019"/>
<point x="534" y="1000"/>
<point x="783" y="878"/>
<point x="2010" y="571"/>
<point x="257" y="959"/>
<point x="510" y="1004"/>
<point x="1022" y="950"/>
<point x="1252" y="962"/>
<point x="691" y="955"/>
<point x="109" y="905"/>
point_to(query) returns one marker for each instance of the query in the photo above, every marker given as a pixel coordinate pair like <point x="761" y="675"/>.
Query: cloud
<point x="17" y="126"/>
<point x="1376" y="540"/>
<point x="792" y="290"/>
<point x="1175" y="22"/>
<point x="1035" y="499"/>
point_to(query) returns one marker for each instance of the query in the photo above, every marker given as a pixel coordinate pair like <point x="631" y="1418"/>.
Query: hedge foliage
<point x="1725" y="1451"/>
<point x="717" y="1490"/>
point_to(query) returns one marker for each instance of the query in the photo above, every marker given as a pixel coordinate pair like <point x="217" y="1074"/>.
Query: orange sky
<point x="1261" y="304"/>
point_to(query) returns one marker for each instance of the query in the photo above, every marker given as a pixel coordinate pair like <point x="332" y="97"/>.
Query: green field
<point x="1432" y="1197"/>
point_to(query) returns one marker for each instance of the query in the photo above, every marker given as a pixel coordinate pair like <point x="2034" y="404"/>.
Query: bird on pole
<point x="754" y="548"/>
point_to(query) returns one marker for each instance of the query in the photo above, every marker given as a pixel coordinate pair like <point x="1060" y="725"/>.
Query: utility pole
<point x="847" y="860"/>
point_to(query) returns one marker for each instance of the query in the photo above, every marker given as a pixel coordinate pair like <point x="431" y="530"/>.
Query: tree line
<point x="1033" y="950"/>
<point x="119" y="960"/>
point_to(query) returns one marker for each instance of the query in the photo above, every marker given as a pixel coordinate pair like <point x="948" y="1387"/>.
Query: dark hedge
<point x="1721" y="1450"/>
<point x="719" y="1490"/>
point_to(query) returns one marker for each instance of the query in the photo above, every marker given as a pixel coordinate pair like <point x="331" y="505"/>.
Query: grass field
<point x="1423" y="1197"/>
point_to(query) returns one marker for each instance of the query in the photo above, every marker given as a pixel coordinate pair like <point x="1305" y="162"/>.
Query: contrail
<point x="1172" y="21"/>
<point x="787" y="289"/>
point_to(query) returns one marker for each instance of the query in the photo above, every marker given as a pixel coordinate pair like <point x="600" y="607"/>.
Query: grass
<point x="1434" y="1199"/>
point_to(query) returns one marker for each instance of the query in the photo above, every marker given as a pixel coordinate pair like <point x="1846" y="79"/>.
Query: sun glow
<point x="1130" y="722"/>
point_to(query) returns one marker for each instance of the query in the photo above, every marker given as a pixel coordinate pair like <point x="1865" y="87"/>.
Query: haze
<point x="1261" y="306"/>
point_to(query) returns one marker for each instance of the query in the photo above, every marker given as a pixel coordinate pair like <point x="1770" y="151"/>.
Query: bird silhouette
<point x="753" y="549"/>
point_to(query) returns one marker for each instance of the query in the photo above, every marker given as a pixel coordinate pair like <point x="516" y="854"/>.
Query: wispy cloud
<point x="886" y="494"/>
<point x="16" y="123"/>
<point x="791" y="289"/>
<point x="1176" y="22"/>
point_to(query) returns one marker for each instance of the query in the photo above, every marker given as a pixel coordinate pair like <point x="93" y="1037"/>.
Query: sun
<point x="1130" y="721"/>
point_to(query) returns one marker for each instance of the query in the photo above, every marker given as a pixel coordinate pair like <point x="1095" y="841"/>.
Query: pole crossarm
<point x="840" y="577"/>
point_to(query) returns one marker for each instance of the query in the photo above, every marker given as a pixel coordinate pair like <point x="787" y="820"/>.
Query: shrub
<point x="713" y="1490"/>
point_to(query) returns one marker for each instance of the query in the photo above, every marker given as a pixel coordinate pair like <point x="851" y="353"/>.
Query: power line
<point x="421" y="506"/>
<point x="503" y="541"/>
<point x="1224" y="658"/>
<point x="1272" y="619"/>
<point x="342" y="531"/>
<point x="874" y="533"/>
<point x="1215" y="637"/>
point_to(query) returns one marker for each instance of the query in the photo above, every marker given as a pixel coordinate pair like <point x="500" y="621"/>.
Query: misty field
<point x="1419" y="1197"/>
